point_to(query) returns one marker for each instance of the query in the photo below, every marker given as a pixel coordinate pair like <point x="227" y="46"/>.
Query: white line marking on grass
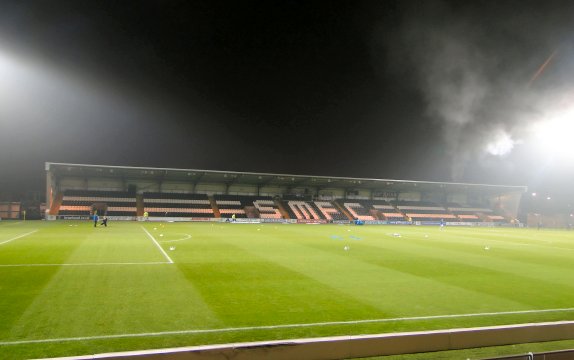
<point x="85" y="264"/>
<point x="158" y="246"/>
<point x="17" y="237"/>
<point x="271" y="327"/>
<point x="186" y="237"/>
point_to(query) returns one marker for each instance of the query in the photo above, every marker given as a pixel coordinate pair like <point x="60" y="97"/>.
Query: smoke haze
<point x="474" y="71"/>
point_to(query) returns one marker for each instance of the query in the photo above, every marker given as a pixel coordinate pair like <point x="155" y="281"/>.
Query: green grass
<point x="116" y="281"/>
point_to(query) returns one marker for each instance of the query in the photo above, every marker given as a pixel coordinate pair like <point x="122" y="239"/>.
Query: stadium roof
<point x="261" y="179"/>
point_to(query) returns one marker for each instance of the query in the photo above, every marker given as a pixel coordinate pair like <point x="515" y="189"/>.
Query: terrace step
<point x="376" y="214"/>
<point x="214" y="206"/>
<point x="251" y="212"/>
<point x="405" y="217"/>
<point x="342" y="209"/>
<point x="281" y="208"/>
<point x="55" y="208"/>
<point x="139" y="205"/>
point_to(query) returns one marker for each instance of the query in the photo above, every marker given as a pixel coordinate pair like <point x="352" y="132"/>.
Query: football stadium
<point x="286" y="179"/>
<point x="191" y="258"/>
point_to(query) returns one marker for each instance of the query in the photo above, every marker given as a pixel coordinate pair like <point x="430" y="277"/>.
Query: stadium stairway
<point x="251" y="212"/>
<point x="282" y="210"/>
<point x="342" y="209"/>
<point x="376" y="214"/>
<point x="405" y="217"/>
<point x="56" y="204"/>
<point x="401" y="212"/>
<point x="483" y="217"/>
<point x="139" y="205"/>
<point x="214" y="206"/>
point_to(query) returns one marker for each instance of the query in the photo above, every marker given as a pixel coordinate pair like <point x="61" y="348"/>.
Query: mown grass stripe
<point x="283" y="326"/>
<point x="10" y="223"/>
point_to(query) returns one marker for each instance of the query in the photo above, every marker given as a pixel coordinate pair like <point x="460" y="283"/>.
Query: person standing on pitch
<point x="96" y="218"/>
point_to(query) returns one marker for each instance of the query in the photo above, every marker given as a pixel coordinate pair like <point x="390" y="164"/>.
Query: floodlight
<point x="39" y="94"/>
<point x="501" y="144"/>
<point x="553" y="135"/>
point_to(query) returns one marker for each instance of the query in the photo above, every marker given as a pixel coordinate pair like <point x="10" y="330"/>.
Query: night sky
<point x="415" y="90"/>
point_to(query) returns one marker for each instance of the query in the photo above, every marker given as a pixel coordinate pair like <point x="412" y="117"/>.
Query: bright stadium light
<point x="41" y="96"/>
<point x="501" y="144"/>
<point x="553" y="136"/>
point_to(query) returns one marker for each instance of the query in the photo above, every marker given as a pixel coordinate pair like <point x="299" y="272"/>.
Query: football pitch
<point x="67" y="288"/>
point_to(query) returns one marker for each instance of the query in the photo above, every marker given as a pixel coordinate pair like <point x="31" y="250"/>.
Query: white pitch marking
<point x="158" y="246"/>
<point x="17" y="237"/>
<point x="85" y="264"/>
<point x="270" y="327"/>
<point x="187" y="236"/>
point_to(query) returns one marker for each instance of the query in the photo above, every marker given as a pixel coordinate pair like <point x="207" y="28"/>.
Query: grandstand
<point x="10" y="210"/>
<point x="76" y="190"/>
<point x="113" y="203"/>
<point x="177" y="204"/>
<point x="422" y="211"/>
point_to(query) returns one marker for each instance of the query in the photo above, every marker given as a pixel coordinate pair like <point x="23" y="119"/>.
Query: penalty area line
<point x="158" y="245"/>
<point x="186" y="237"/>
<point x="273" y="327"/>
<point x="17" y="237"/>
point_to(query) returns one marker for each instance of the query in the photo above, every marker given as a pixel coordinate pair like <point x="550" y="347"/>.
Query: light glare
<point x="554" y="135"/>
<point x="501" y="144"/>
